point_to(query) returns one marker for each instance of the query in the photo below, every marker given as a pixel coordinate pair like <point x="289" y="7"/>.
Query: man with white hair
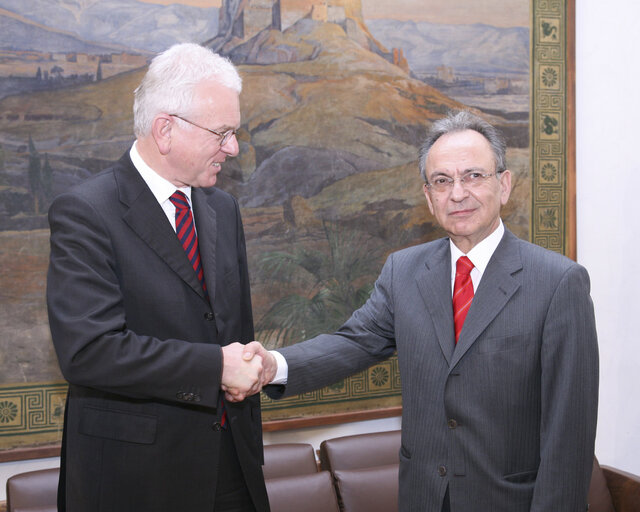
<point x="147" y="283"/>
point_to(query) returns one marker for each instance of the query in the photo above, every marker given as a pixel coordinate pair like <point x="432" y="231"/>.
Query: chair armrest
<point x="624" y="488"/>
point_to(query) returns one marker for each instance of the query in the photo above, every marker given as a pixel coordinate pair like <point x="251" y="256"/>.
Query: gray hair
<point x="457" y="122"/>
<point x="169" y="84"/>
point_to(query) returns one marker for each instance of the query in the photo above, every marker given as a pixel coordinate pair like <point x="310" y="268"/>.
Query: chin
<point x="209" y="182"/>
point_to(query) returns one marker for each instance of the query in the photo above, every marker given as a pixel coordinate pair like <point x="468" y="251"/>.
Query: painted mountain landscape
<point x="334" y="108"/>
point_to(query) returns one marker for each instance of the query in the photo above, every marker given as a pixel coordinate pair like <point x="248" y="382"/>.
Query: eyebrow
<point x="226" y="128"/>
<point x="466" y="171"/>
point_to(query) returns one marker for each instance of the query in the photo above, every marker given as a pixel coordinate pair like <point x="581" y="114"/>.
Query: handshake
<point x="246" y="369"/>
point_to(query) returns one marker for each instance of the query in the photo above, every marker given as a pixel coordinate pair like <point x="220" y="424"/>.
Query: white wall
<point x="608" y="182"/>
<point x="608" y="162"/>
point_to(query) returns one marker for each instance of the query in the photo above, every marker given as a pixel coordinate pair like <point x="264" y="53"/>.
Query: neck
<point x="148" y="151"/>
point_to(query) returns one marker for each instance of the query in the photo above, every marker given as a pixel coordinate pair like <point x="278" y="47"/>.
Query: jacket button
<point x="452" y="424"/>
<point x="208" y="316"/>
<point x="442" y="470"/>
<point x="217" y="426"/>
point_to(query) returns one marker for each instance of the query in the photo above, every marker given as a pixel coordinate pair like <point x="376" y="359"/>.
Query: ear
<point x="161" y="129"/>
<point x="505" y="185"/>
<point x="425" y="189"/>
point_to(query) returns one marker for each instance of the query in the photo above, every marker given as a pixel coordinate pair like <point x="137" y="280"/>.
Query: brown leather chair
<point x="289" y="459"/>
<point x="313" y="492"/>
<point x="365" y="470"/>
<point x="360" y="451"/>
<point x="373" y="489"/>
<point x="34" y="491"/>
<point x="613" y="490"/>
<point x="293" y="481"/>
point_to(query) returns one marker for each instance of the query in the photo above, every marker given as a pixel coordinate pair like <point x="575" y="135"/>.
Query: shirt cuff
<point x="282" y="374"/>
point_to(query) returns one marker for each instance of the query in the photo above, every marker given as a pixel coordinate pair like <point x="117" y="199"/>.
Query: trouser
<point x="232" y="494"/>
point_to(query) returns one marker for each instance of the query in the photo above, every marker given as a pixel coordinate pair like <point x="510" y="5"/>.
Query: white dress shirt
<point x="161" y="188"/>
<point x="479" y="256"/>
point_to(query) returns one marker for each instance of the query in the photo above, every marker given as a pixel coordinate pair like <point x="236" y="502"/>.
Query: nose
<point x="231" y="146"/>
<point x="458" y="190"/>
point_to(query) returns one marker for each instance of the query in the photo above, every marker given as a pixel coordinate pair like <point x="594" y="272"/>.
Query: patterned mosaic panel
<point x="31" y="414"/>
<point x="548" y="125"/>
<point x="379" y="386"/>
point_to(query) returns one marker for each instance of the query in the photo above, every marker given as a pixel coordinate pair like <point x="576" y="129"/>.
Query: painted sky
<point x="501" y="13"/>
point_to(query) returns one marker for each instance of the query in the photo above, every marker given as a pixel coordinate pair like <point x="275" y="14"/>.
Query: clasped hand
<point x="246" y="370"/>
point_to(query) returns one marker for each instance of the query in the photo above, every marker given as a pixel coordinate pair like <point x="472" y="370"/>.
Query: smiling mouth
<point x="462" y="212"/>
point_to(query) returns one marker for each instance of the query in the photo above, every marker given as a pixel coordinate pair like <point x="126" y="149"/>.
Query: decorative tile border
<point x="549" y="214"/>
<point x="368" y="390"/>
<point x="31" y="414"/>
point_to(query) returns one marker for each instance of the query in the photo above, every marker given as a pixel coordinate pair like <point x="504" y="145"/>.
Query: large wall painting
<point x="337" y="96"/>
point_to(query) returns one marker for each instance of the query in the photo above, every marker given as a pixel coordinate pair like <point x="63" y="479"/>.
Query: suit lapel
<point x="206" y="224"/>
<point x="148" y="221"/>
<point x="495" y="290"/>
<point x="434" y="283"/>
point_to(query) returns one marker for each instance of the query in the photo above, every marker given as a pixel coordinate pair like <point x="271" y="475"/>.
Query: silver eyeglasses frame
<point x="471" y="179"/>
<point x="224" y="137"/>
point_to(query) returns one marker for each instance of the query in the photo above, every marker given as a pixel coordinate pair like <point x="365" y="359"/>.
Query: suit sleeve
<point x="365" y="339"/>
<point x="87" y="316"/>
<point x="569" y="397"/>
<point x="246" y="314"/>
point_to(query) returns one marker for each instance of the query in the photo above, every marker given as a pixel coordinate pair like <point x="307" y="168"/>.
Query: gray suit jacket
<point x="507" y="417"/>
<point x="140" y="347"/>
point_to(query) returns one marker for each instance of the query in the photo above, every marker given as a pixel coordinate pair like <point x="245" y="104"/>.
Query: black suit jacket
<point x="140" y="347"/>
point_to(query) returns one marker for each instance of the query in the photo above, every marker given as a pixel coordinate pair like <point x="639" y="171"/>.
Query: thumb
<point x="250" y="350"/>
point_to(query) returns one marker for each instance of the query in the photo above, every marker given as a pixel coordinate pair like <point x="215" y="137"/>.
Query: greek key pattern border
<point x="381" y="380"/>
<point x="548" y="125"/>
<point x="32" y="410"/>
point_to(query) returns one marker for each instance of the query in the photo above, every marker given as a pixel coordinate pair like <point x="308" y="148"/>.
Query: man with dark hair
<point x="496" y="344"/>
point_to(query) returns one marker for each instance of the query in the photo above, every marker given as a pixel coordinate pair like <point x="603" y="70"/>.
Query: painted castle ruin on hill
<point x="241" y="20"/>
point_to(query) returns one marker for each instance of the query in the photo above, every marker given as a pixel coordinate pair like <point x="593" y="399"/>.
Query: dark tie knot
<point x="464" y="266"/>
<point x="179" y="200"/>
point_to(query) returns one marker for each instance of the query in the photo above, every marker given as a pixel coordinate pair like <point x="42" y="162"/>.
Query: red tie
<point x="186" y="232"/>
<point x="462" y="293"/>
<point x="185" y="229"/>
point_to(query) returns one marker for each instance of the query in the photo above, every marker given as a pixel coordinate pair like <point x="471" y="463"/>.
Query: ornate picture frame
<point x="31" y="409"/>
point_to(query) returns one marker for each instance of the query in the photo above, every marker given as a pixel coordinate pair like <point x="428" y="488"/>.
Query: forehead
<point x="458" y="151"/>
<point x="218" y="103"/>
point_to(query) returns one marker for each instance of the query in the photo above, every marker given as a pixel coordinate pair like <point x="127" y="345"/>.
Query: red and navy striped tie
<point x="186" y="231"/>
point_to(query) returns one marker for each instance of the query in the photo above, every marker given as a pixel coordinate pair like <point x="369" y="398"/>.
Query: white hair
<point x="168" y="86"/>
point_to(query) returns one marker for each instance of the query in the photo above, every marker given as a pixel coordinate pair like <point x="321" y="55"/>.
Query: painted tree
<point x="46" y="180"/>
<point x="326" y="285"/>
<point x="57" y="72"/>
<point x="34" y="175"/>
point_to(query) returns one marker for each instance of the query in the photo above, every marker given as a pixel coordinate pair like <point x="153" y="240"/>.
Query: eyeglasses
<point x="472" y="179"/>
<point x="224" y="137"/>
